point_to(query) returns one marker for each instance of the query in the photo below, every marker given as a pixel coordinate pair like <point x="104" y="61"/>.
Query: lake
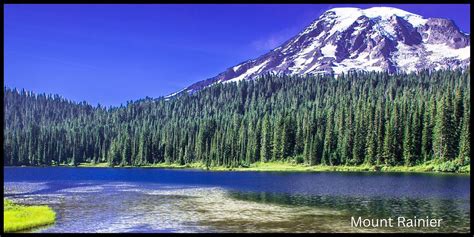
<point x="175" y="200"/>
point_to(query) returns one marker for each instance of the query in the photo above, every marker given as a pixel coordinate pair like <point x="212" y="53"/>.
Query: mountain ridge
<point x="349" y="39"/>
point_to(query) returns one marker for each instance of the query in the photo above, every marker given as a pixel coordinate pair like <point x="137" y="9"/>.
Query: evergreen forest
<point x="355" y="119"/>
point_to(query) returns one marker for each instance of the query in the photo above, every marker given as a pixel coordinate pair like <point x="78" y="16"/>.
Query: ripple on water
<point x="136" y="207"/>
<point x="12" y="188"/>
<point x="89" y="189"/>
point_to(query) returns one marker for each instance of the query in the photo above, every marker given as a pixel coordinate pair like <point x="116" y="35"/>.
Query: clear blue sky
<point x="110" y="54"/>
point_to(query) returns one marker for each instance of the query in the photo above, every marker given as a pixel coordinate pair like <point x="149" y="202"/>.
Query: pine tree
<point x="464" y="156"/>
<point x="277" y="140"/>
<point x="389" y="147"/>
<point x="444" y="131"/>
<point x="408" y="146"/>
<point x="427" y="133"/>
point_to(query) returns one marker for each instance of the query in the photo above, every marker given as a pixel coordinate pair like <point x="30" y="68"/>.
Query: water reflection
<point x="454" y="212"/>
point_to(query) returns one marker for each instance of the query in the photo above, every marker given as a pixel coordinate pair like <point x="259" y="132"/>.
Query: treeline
<point x="360" y="118"/>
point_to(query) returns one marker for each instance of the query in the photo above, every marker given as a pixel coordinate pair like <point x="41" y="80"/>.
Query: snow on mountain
<point x="348" y="39"/>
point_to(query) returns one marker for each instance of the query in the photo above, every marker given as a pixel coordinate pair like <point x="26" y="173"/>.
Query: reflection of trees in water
<point x="455" y="213"/>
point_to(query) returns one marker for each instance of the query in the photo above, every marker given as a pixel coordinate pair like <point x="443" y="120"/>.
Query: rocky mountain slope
<point x="353" y="39"/>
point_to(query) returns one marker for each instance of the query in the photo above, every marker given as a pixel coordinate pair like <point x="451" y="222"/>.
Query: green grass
<point x="19" y="217"/>
<point x="292" y="167"/>
<point x="286" y="166"/>
<point x="93" y="165"/>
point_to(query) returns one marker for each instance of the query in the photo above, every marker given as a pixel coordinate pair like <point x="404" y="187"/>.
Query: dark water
<point x="160" y="200"/>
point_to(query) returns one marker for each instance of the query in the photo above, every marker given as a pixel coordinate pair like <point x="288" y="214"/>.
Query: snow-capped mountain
<point x="347" y="39"/>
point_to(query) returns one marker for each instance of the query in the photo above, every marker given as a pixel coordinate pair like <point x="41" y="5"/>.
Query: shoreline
<point x="281" y="167"/>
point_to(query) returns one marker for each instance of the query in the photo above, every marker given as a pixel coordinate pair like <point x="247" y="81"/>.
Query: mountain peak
<point x="353" y="39"/>
<point x="385" y="13"/>
<point x="372" y="12"/>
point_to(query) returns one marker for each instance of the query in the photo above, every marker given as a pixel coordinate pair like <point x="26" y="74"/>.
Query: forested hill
<point x="369" y="118"/>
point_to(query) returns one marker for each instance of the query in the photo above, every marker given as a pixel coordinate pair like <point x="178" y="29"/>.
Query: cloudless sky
<point x="110" y="54"/>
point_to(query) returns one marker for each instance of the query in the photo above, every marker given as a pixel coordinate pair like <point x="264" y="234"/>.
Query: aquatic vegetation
<point x="19" y="217"/>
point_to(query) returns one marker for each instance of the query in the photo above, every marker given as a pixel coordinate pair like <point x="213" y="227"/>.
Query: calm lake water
<point x="165" y="200"/>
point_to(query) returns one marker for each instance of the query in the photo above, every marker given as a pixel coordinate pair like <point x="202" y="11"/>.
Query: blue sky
<point x="110" y="54"/>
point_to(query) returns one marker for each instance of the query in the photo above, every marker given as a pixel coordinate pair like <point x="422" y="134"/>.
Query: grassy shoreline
<point x="289" y="167"/>
<point x="20" y="217"/>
